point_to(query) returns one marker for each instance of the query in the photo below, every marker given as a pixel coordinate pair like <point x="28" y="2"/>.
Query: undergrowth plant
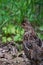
<point x="12" y="33"/>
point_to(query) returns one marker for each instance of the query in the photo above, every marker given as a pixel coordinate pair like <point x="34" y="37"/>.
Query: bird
<point x="30" y="34"/>
<point x="33" y="50"/>
<point x="32" y="44"/>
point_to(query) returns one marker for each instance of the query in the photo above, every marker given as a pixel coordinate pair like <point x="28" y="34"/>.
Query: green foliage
<point x="40" y="35"/>
<point x="17" y="10"/>
<point x="4" y="39"/>
<point x="40" y="32"/>
<point x="41" y="28"/>
<point x="14" y="12"/>
<point x="9" y="29"/>
<point x="12" y="33"/>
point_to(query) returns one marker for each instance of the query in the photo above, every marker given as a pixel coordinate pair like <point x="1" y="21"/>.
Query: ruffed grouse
<point x="32" y="45"/>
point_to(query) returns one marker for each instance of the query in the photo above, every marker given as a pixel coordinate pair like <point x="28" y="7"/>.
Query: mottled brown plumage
<point x="32" y="44"/>
<point x="30" y="34"/>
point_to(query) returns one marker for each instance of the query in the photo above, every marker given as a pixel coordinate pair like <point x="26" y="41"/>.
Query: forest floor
<point x="9" y="55"/>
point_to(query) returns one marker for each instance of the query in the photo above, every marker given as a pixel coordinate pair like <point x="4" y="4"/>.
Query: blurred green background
<point x="12" y="14"/>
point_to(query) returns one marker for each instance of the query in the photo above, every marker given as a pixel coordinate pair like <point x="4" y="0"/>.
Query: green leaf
<point x="4" y="29"/>
<point x="9" y="39"/>
<point x="17" y="37"/>
<point x="40" y="36"/>
<point x="12" y="29"/>
<point x="22" y="32"/>
<point x="41" y="28"/>
<point x="4" y="39"/>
